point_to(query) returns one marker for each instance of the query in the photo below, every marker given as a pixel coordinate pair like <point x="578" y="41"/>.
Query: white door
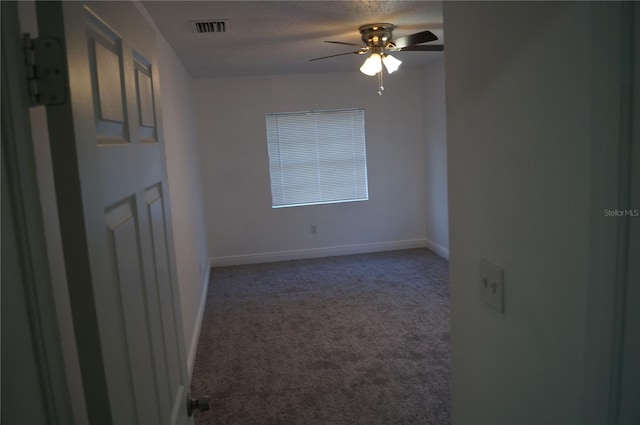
<point x="110" y="178"/>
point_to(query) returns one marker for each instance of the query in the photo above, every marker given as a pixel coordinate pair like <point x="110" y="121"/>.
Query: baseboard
<point x="438" y="249"/>
<point x="195" y="337"/>
<point x="269" y="257"/>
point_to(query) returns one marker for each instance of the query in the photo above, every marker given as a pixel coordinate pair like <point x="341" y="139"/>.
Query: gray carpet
<point x="360" y="339"/>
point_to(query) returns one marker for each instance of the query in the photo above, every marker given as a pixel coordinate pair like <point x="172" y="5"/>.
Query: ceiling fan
<point x="378" y="39"/>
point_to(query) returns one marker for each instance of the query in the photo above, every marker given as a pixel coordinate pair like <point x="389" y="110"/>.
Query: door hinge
<point x="45" y="70"/>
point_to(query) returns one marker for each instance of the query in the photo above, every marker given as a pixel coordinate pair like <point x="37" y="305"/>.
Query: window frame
<point x="358" y="160"/>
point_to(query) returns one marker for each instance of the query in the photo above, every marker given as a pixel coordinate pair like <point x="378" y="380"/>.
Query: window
<point x="317" y="157"/>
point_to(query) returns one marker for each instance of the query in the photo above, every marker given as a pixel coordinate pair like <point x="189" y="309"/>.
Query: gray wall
<point x="231" y="126"/>
<point x="518" y="83"/>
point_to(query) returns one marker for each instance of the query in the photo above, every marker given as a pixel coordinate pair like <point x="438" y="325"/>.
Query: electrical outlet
<point x="314" y="229"/>
<point x="492" y="285"/>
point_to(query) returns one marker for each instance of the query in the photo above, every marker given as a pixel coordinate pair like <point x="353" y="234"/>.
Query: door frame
<point x="628" y="380"/>
<point x="63" y="405"/>
<point x="614" y="241"/>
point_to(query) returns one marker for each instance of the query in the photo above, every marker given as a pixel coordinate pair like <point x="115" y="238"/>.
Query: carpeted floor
<point x="360" y="339"/>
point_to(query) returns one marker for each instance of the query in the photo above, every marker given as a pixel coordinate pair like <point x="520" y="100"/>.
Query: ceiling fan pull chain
<point x="380" y="85"/>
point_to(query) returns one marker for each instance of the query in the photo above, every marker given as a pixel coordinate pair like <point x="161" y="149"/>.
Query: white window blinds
<point x="317" y="157"/>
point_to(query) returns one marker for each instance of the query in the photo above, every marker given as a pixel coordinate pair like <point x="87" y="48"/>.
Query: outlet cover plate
<point x="492" y="285"/>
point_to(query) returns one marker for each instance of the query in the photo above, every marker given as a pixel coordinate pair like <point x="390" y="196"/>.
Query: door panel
<point x="127" y="275"/>
<point x="106" y="65"/>
<point x="162" y="284"/>
<point x="110" y="175"/>
<point x="109" y="83"/>
<point x="144" y="91"/>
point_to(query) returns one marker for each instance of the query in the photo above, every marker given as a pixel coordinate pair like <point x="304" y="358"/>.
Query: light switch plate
<point x="492" y="285"/>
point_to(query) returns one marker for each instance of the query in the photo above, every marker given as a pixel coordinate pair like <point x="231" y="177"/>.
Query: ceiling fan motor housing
<point x="376" y="35"/>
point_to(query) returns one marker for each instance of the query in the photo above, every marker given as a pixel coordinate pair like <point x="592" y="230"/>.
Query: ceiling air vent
<point x="205" y="27"/>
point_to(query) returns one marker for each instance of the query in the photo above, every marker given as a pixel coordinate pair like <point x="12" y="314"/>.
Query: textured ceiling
<point x="279" y="37"/>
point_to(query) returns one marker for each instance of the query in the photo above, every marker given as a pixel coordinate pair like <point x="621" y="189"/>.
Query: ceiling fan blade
<point x="417" y="38"/>
<point x="428" y="48"/>
<point x="358" y="52"/>
<point x="342" y="42"/>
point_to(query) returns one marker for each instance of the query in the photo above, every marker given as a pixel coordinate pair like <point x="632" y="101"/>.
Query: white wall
<point x="242" y="226"/>
<point x="435" y="136"/>
<point x="518" y="81"/>
<point x="185" y="191"/>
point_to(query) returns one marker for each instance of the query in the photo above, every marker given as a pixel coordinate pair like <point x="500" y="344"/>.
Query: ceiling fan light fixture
<point x="391" y="63"/>
<point x="377" y="39"/>
<point x="372" y="65"/>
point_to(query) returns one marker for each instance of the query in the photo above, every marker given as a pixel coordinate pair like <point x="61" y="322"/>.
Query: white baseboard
<point x="438" y="249"/>
<point x="269" y="257"/>
<point x="195" y="337"/>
